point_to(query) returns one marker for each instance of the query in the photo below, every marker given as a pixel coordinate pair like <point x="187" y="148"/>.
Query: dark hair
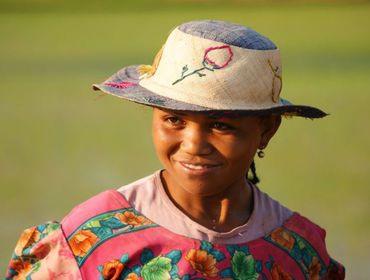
<point x="253" y="178"/>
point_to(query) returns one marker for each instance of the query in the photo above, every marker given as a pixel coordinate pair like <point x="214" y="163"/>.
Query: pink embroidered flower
<point x="214" y="58"/>
<point x="120" y="85"/>
<point x="217" y="57"/>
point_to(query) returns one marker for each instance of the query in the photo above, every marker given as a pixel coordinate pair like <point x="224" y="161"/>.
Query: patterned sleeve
<point x="335" y="271"/>
<point x="42" y="252"/>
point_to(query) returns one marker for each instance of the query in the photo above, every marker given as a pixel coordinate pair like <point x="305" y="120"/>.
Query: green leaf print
<point x="244" y="266"/>
<point x="157" y="269"/>
<point x="51" y="227"/>
<point x="92" y="223"/>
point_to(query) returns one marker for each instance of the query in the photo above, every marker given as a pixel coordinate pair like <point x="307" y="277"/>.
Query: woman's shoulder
<point x="106" y="201"/>
<point x="54" y="248"/>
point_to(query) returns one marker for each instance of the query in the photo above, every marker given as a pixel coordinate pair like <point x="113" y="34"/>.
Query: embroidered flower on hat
<point x="214" y="58"/>
<point x="217" y="57"/>
<point x="275" y="93"/>
<point x="120" y="85"/>
<point x="147" y="71"/>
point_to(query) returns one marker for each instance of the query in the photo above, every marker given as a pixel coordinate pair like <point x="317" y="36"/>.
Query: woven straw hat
<point x="210" y="65"/>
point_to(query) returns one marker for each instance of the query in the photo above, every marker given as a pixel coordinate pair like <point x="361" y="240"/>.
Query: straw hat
<point x="210" y="65"/>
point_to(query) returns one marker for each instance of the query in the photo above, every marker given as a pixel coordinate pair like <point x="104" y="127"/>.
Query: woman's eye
<point x="221" y="126"/>
<point x="174" y="120"/>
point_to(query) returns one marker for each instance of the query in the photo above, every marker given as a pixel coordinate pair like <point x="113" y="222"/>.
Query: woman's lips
<point x="198" y="168"/>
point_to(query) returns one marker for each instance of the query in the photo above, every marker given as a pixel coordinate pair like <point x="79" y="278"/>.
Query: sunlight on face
<point x="205" y="155"/>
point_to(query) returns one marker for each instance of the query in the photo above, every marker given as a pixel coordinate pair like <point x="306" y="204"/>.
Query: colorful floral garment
<point x="106" y="238"/>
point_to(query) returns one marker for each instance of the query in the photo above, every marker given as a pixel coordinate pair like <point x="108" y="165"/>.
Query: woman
<point x="215" y="89"/>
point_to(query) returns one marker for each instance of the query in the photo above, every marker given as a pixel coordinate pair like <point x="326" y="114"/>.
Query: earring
<point x="261" y="153"/>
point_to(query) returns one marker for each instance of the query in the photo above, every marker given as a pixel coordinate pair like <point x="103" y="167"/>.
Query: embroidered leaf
<point x="36" y="267"/>
<point x="231" y="249"/>
<point x="268" y="265"/>
<point x="174" y="272"/>
<point x="124" y="258"/>
<point x="100" y="268"/>
<point x="243" y="266"/>
<point x="101" y="232"/>
<point x="201" y="74"/>
<point x="92" y="223"/>
<point x="184" y="69"/>
<point x="146" y="256"/>
<point x="186" y="277"/>
<point x="50" y="227"/>
<point x="157" y="269"/>
<point x="244" y="249"/>
<point x="136" y="269"/>
<point x="112" y="223"/>
<point x="307" y="259"/>
<point x="206" y="246"/>
<point x="227" y="273"/>
<point x="218" y="255"/>
<point x="258" y="266"/>
<point x="304" y="246"/>
<point x="41" y="228"/>
<point x="300" y="243"/>
<point x="175" y="256"/>
<point x="296" y="253"/>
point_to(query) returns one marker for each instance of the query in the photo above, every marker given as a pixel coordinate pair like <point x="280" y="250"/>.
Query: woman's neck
<point x="221" y="212"/>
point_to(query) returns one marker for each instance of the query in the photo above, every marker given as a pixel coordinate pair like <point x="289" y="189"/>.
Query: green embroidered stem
<point x="191" y="73"/>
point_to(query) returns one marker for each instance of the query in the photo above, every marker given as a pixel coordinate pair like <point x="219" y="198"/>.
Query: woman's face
<point x="205" y="155"/>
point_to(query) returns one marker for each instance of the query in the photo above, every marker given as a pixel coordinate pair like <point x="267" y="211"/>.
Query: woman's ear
<point x="270" y="125"/>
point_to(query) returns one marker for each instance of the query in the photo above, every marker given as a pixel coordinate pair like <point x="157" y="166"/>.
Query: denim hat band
<point x="210" y="66"/>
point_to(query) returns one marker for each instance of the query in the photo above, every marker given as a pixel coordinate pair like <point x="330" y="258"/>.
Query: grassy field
<point x="60" y="144"/>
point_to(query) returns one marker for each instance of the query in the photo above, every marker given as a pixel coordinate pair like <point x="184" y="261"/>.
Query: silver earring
<point x="261" y="153"/>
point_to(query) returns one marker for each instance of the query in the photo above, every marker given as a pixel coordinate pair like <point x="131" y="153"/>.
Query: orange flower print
<point x="314" y="269"/>
<point x="21" y="267"/>
<point x="277" y="273"/>
<point x="202" y="262"/>
<point x="82" y="241"/>
<point x="112" y="269"/>
<point x="132" y="276"/>
<point x="130" y="218"/>
<point x="283" y="238"/>
<point x="28" y="237"/>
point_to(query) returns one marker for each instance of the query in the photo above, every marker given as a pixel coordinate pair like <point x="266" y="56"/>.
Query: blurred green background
<point x="60" y="144"/>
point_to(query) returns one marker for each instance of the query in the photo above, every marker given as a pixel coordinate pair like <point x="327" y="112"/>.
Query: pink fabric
<point x="148" y="196"/>
<point x="43" y="258"/>
<point x="100" y="244"/>
<point x="108" y="200"/>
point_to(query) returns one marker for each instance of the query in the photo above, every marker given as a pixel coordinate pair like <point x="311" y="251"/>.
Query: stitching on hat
<point x="275" y="98"/>
<point x="208" y="63"/>
<point x="147" y="71"/>
<point x="121" y="85"/>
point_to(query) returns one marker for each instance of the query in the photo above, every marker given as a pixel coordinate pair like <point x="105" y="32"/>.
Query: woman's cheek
<point x="165" y="141"/>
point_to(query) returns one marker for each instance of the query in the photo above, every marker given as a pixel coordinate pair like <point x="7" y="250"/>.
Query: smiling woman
<point x="206" y="160"/>
<point x="215" y="92"/>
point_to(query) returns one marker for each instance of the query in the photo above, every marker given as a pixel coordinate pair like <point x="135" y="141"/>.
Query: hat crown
<point x="228" y="33"/>
<point x="218" y="65"/>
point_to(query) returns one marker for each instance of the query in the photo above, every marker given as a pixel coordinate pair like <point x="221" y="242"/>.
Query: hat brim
<point x="125" y="84"/>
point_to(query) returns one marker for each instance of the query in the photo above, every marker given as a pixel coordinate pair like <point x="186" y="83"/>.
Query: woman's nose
<point x="195" y="141"/>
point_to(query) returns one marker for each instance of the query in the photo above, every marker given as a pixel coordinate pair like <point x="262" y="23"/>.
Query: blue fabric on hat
<point x="228" y="33"/>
